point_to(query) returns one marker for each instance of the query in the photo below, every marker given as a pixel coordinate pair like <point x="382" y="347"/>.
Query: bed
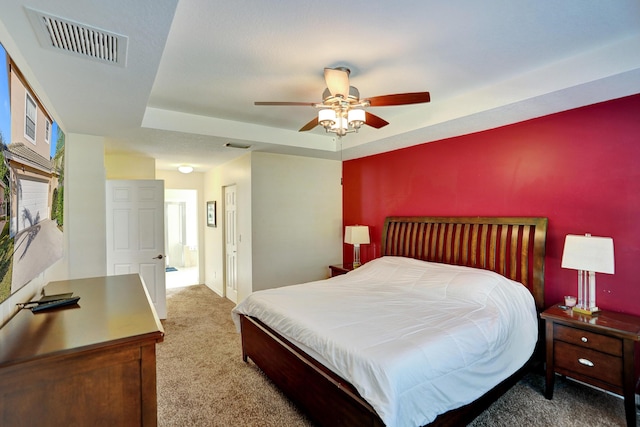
<point x="345" y="368"/>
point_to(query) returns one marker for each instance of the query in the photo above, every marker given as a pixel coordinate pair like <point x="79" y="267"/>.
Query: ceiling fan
<point x="342" y="111"/>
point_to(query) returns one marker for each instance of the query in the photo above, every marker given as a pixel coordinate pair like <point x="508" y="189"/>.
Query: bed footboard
<point x="326" y="398"/>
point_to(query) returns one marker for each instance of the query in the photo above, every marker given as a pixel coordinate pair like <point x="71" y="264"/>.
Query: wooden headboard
<point x="511" y="246"/>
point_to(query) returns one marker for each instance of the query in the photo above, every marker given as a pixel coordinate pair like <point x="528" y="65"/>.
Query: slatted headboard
<point x="511" y="246"/>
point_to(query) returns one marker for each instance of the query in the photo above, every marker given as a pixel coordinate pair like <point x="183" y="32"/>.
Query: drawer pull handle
<point x="584" y="339"/>
<point x="586" y="362"/>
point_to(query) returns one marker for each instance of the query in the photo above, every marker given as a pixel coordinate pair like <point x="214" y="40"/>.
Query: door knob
<point x="160" y="256"/>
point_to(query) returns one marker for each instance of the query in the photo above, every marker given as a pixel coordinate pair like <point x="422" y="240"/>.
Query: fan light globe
<point x="356" y="118"/>
<point x="327" y="117"/>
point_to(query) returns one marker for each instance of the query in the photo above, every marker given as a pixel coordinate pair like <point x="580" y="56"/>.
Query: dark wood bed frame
<point x="511" y="246"/>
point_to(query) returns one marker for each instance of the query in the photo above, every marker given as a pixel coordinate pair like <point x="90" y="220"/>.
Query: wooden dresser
<point x="89" y="364"/>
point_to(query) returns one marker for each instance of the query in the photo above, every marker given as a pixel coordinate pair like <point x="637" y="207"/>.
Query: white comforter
<point x="415" y="338"/>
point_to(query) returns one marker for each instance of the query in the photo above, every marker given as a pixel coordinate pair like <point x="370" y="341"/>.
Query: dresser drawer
<point x="586" y="339"/>
<point x="591" y="363"/>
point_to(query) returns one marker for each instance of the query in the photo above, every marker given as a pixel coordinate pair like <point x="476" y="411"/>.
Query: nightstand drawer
<point x="588" y="339"/>
<point x="591" y="363"/>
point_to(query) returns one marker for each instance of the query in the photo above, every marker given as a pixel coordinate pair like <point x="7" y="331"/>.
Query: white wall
<point x="238" y="173"/>
<point x="297" y="219"/>
<point x="129" y="166"/>
<point x="289" y="220"/>
<point x="213" y="238"/>
<point x="85" y="192"/>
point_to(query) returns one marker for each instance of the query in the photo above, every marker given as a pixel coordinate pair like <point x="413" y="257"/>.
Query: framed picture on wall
<point x="211" y="214"/>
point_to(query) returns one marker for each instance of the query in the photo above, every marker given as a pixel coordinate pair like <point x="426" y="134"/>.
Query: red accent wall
<point x="579" y="168"/>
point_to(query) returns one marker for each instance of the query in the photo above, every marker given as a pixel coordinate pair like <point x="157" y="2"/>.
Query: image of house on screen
<point x="32" y="176"/>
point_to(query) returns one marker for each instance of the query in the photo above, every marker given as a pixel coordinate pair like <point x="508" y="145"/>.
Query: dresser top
<point x="111" y="310"/>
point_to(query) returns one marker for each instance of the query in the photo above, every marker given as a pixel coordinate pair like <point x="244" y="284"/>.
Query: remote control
<point x="54" y="297"/>
<point x="56" y="303"/>
<point x="45" y="299"/>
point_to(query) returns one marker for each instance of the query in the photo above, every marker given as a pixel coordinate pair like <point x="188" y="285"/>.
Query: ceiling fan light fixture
<point x="327" y="117"/>
<point x="342" y="111"/>
<point x="341" y="122"/>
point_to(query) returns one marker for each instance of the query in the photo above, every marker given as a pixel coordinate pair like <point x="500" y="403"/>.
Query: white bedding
<point x="415" y="338"/>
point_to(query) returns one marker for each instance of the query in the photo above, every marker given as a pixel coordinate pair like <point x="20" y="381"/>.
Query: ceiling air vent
<point x="234" y="145"/>
<point x="78" y="39"/>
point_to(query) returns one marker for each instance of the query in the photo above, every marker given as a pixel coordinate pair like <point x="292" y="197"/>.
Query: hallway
<point x="183" y="276"/>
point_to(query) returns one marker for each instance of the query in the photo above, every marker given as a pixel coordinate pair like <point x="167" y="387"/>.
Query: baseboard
<point x="637" y="396"/>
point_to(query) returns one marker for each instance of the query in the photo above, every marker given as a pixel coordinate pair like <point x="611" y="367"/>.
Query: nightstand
<point x="339" y="269"/>
<point x="599" y="350"/>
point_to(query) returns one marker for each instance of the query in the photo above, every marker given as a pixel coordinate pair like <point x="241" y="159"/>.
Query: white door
<point x="135" y="235"/>
<point x="231" y="243"/>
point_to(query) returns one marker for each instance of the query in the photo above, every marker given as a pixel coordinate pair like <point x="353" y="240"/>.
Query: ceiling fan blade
<point x="374" y="121"/>
<point x="313" y="123"/>
<point x="399" y="99"/>
<point x="303" y="104"/>
<point x="337" y="81"/>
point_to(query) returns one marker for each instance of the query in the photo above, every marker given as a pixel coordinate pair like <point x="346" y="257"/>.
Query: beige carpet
<point x="202" y="380"/>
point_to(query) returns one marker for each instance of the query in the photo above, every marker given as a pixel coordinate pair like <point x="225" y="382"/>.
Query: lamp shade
<point x="356" y="116"/>
<point x="588" y="253"/>
<point x="326" y="117"/>
<point x="356" y="234"/>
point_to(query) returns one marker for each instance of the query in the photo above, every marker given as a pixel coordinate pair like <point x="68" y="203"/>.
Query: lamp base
<point x="356" y="255"/>
<point x="588" y="311"/>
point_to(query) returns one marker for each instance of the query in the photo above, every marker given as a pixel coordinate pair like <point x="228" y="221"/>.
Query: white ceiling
<point x="195" y="67"/>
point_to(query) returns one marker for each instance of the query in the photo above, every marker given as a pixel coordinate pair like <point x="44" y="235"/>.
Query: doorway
<point x="231" y="243"/>
<point x="181" y="237"/>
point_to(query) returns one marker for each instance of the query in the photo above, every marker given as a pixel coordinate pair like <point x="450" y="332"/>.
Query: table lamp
<point x="589" y="255"/>
<point x="356" y="235"/>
